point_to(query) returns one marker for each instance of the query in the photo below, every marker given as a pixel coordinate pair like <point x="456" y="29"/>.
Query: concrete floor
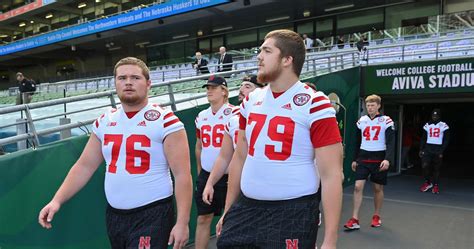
<point x="411" y="219"/>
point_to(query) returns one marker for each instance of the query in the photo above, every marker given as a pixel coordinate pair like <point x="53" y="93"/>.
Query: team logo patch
<point x="152" y="115"/>
<point x="227" y="111"/>
<point x="301" y="99"/>
<point x="381" y="119"/>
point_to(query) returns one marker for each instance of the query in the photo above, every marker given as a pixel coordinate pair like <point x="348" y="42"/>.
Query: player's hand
<point x="440" y="156"/>
<point x="219" y="225"/>
<point x="208" y="194"/>
<point x="179" y="236"/>
<point x="421" y="153"/>
<point x="46" y="214"/>
<point x="354" y="166"/>
<point x="384" y="165"/>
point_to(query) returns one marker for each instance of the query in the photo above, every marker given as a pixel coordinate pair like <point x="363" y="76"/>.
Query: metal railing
<point x="172" y="93"/>
<point x="175" y="92"/>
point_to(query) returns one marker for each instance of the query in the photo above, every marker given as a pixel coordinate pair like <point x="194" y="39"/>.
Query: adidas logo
<point x="287" y="106"/>
<point x="143" y="123"/>
<point x="258" y="103"/>
<point x="221" y="117"/>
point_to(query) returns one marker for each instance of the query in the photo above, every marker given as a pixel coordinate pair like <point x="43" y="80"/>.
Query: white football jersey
<point x="435" y="132"/>
<point x="373" y="132"/>
<point x="210" y="128"/>
<point x="280" y="161"/>
<point x="137" y="171"/>
<point x="232" y="127"/>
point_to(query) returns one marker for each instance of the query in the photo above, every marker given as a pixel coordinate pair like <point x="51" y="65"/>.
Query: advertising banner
<point x="442" y="76"/>
<point x="108" y="23"/>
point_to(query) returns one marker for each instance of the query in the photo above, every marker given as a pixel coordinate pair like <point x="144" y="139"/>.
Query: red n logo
<point x="291" y="244"/>
<point x="145" y="242"/>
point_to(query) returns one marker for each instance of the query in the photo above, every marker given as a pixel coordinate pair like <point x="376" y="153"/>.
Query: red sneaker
<point x="376" y="221"/>
<point x="352" y="224"/>
<point x="426" y="186"/>
<point x="435" y="189"/>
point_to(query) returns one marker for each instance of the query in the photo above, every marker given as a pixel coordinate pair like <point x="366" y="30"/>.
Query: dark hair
<point x="290" y="44"/>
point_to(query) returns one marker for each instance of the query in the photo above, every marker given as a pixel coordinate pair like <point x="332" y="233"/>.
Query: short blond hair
<point x="136" y="62"/>
<point x="373" y="98"/>
<point x="226" y="96"/>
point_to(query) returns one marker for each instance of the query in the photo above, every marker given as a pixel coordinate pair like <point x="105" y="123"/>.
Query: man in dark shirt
<point x="27" y="87"/>
<point x="432" y="146"/>
<point x="200" y="64"/>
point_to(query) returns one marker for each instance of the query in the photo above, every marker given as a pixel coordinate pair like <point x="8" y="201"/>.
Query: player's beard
<point x="130" y="100"/>
<point x="269" y="76"/>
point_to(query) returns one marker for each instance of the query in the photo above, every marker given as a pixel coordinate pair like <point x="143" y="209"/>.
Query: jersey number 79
<point x="285" y="137"/>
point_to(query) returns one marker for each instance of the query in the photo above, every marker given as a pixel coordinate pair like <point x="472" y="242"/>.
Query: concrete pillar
<point x="21" y="129"/>
<point x="64" y="133"/>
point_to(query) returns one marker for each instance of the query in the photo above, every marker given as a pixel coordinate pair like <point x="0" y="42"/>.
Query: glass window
<point x="217" y="42"/>
<point x="264" y="31"/>
<point x="396" y="14"/>
<point x="204" y="46"/>
<point x="360" y="21"/>
<point x="244" y="39"/>
<point x="323" y="28"/>
<point x="305" y="28"/>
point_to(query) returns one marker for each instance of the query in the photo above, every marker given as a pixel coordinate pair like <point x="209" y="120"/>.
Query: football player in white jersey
<point x="373" y="155"/>
<point x="283" y="128"/>
<point x="249" y="83"/>
<point x="210" y="130"/>
<point x="138" y="142"/>
<point x="432" y="145"/>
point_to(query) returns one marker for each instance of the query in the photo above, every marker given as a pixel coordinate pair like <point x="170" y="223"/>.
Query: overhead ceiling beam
<point x="11" y="28"/>
<point x="39" y="20"/>
<point x="68" y="9"/>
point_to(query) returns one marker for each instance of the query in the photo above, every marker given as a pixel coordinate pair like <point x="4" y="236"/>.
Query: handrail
<point x="331" y="63"/>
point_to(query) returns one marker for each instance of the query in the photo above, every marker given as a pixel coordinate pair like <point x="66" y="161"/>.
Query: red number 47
<point x="367" y="132"/>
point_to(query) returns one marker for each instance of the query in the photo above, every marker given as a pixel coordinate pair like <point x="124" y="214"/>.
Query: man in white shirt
<point x="373" y="155"/>
<point x="225" y="60"/>
<point x="432" y="146"/>
<point x="308" y="42"/>
<point x="283" y="128"/>
<point x="210" y="130"/>
<point x="138" y="142"/>
<point x="220" y="168"/>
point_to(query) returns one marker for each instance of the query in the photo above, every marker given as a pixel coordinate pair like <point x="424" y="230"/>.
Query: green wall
<point x="346" y="85"/>
<point x="29" y="179"/>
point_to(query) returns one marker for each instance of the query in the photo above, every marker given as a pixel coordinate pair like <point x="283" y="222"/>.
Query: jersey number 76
<point x="130" y="153"/>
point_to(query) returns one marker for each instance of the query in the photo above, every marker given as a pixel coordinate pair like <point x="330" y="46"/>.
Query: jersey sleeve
<point x="444" y="126"/>
<point x="320" y="108"/>
<point x="98" y="126"/>
<point x="389" y="123"/>
<point x="243" y="112"/>
<point x="358" y="124"/>
<point x="322" y="118"/>
<point x="425" y="127"/>
<point x="325" y="132"/>
<point x="198" y="131"/>
<point x="171" y="123"/>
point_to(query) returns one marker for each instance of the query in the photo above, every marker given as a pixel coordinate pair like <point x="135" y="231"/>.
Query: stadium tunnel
<point x="411" y="108"/>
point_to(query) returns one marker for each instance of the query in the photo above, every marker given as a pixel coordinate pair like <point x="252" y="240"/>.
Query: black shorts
<point x="364" y="170"/>
<point x="431" y="159"/>
<point x="148" y="226"/>
<point x="271" y="224"/>
<point x="218" y="200"/>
